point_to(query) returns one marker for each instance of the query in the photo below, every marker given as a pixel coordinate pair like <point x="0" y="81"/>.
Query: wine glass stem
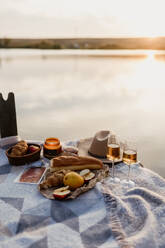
<point x="129" y="172"/>
<point x="113" y="169"/>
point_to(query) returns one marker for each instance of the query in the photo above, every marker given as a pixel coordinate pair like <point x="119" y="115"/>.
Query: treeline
<point x="53" y="44"/>
<point x="85" y="43"/>
<point x="10" y="43"/>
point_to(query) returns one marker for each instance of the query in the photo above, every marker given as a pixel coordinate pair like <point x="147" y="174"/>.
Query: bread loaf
<point x="75" y="163"/>
<point x="19" y="149"/>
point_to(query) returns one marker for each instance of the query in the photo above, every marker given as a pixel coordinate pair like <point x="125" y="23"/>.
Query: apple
<point x="61" y="193"/>
<point x="89" y="176"/>
<point x="61" y="189"/>
<point x="32" y="148"/>
<point x="84" y="172"/>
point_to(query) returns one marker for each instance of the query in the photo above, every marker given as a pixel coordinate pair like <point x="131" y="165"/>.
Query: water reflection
<point x="74" y="96"/>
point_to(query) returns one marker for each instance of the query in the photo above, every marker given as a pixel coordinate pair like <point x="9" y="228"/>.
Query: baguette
<point x="74" y="163"/>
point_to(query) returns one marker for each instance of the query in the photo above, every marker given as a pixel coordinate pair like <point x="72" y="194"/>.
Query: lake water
<point x="72" y="94"/>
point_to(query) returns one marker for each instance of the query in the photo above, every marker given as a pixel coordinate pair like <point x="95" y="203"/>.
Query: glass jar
<point x="52" y="147"/>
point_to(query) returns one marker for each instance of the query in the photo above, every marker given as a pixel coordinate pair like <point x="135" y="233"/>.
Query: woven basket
<point x="25" y="159"/>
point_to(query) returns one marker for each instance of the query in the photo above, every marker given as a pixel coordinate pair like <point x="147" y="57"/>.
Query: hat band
<point x="97" y="156"/>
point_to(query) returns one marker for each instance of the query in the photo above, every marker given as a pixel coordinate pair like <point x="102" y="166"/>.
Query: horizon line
<point x="87" y="37"/>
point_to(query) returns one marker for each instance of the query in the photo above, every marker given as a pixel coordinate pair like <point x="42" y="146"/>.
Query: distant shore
<point x="85" y="43"/>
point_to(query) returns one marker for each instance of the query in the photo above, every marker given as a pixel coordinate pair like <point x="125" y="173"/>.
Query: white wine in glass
<point x="129" y="158"/>
<point x="113" y="153"/>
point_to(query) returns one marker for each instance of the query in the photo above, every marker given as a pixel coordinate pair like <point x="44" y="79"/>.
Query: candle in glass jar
<point x="52" y="147"/>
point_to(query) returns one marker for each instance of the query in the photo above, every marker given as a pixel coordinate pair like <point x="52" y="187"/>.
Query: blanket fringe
<point x="111" y="205"/>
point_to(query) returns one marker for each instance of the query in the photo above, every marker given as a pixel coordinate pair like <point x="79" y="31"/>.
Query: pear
<point x="73" y="180"/>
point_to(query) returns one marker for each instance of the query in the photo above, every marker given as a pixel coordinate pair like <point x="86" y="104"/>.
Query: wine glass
<point x="129" y="158"/>
<point x="113" y="154"/>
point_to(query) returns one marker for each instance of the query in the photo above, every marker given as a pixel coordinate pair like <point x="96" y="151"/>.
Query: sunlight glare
<point x="150" y="55"/>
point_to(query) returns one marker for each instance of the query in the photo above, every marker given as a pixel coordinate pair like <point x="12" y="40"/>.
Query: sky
<point x="81" y="18"/>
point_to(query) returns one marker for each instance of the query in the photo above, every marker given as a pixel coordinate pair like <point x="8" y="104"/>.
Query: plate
<point x="31" y="175"/>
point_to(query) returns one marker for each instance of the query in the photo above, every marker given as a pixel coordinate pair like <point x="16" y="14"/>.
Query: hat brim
<point x="83" y="150"/>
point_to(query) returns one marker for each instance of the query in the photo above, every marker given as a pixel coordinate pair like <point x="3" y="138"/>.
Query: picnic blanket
<point x="107" y="216"/>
